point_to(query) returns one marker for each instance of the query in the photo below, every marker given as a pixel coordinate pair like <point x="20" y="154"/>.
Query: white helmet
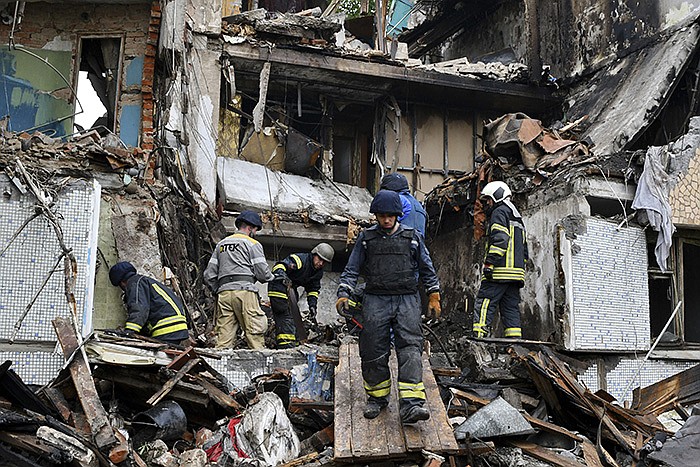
<point x="497" y="191"/>
<point x="324" y="251"/>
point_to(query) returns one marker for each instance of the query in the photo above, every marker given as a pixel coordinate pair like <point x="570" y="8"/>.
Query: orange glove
<point x="342" y="306"/>
<point x="434" y="309"/>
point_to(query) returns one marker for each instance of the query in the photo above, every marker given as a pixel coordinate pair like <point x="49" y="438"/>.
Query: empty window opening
<point x="98" y="84"/>
<point x="691" y="292"/>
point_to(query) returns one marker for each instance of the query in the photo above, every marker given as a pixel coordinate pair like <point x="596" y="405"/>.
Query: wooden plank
<point x="411" y="433"/>
<point x="84" y="385"/>
<point x="428" y="428"/>
<point x="543" y="454"/>
<point x="396" y="444"/>
<point x="368" y="436"/>
<point x="590" y="454"/>
<point x="342" y="448"/>
<point x="170" y="384"/>
<point x="220" y="397"/>
<point x="438" y="413"/>
<point x="59" y="401"/>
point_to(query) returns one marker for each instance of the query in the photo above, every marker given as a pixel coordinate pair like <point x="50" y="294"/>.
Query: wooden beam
<point x="544" y="454"/>
<point x="84" y="385"/>
<point x="170" y="384"/>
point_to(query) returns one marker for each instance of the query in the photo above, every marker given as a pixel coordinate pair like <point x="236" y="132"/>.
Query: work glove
<point x="343" y="306"/>
<point x="487" y="271"/>
<point x="434" y="308"/>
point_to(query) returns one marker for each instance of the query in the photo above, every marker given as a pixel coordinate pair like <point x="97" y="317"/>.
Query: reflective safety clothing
<point x="491" y="295"/>
<point x="235" y="264"/>
<point x="154" y="310"/>
<point x="506" y="247"/>
<point x="507" y="252"/>
<point x="389" y="311"/>
<point x="299" y="268"/>
<point x="414" y="215"/>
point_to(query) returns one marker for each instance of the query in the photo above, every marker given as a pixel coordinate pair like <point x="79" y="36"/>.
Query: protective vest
<point x="506" y="248"/>
<point x="154" y="310"/>
<point x="417" y="217"/>
<point x="388" y="268"/>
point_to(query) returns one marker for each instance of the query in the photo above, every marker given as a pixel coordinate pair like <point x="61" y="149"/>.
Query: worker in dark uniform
<point x="296" y="270"/>
<point x="413" y="214"/>
<point x="152" y="308"/>
<point x="392" y="259"/>
<point x="503" y="273"/>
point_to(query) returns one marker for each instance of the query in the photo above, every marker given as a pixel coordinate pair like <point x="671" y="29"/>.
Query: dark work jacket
<point x="414" y="215"/>
<point x="154" y="310"/>
<point x="384" y="267"/>
<point x="506" y="248"/>
<point x="299" y="267"/>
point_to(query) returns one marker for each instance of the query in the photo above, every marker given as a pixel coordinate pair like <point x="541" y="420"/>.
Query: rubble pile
<point x="305" y="28"/>
<point x="139" y="402"/>
<point x="512" y="403"/>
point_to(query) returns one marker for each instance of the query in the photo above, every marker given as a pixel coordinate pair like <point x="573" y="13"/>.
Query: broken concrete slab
<point x="241" y="182"/>
<point x="684" y="448"/>
<point x="499" y="418"/>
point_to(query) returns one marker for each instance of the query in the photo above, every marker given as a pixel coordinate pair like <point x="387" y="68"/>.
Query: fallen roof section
<point x="623" y="99"/>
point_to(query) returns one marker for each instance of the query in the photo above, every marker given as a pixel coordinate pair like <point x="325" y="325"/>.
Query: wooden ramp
<point x="357" y="438"/>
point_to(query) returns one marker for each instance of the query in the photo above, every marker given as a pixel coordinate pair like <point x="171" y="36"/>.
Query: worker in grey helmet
<point x="412" y="212"/>
<point x="503" y="272"/>
<point x="296" y="270"/>
<point x="392" y="259"/>
<point x="236" y="263"/>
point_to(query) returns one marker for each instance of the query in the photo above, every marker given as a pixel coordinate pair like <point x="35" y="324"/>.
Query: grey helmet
<point x="324" y="251"/>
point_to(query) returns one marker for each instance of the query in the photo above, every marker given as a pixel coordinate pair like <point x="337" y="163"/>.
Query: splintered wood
<point x="384" y="437"/>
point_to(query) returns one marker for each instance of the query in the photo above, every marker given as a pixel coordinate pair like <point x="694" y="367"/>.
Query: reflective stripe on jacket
<point x="506" y="246"/>
<point x="299" y="267"/>
<point x="154" y="309"/>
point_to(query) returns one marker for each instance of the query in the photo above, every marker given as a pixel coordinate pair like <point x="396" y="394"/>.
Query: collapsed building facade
<point x="216" y="107"/>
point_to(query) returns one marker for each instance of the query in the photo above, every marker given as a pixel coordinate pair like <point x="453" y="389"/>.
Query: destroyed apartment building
<point x="296" y="109"/>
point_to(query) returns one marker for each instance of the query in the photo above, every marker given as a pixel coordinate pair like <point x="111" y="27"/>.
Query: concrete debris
<point x="510" y="72"/>
<point x="498" y="418"/>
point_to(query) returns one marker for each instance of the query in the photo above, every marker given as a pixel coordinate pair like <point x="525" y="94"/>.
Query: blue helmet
<point x="394" y="182"/>
<point x="386" y="202"/>
<point x="250" y="218"/>
<point x="121" y="272"/>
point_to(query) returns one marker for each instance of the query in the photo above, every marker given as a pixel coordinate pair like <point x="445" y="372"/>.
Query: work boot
<point x="373" y="407"/>
<point x="414" y="414"/>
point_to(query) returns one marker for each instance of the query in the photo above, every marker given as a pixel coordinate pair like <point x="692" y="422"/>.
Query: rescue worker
<point x="413" y="214"/>
<point x="236" y="263"/>
<point x="391" y="258"/>
<point x="152" y="308"/>
<point x="298" y="269"/>
<point x="503" y="272"/>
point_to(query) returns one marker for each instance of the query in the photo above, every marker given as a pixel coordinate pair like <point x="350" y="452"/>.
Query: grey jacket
<point x="236" y="263"/>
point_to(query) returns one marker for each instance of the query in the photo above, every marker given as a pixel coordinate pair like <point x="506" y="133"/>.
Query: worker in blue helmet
<point x="412" y="212"/>
<point x="392" y="259"/>
<point x="237" y="262"/>
<point x="152" y="308"/>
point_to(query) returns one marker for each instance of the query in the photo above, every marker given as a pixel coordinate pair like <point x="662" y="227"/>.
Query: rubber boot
<point x="374" y="407"/>
<point x="414" y="414"/>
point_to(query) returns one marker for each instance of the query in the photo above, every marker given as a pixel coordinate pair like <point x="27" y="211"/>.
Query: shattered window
<point x="98" y="84"/>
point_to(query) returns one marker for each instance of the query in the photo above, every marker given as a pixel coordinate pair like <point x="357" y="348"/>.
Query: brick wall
<point x="59" y="27"/>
